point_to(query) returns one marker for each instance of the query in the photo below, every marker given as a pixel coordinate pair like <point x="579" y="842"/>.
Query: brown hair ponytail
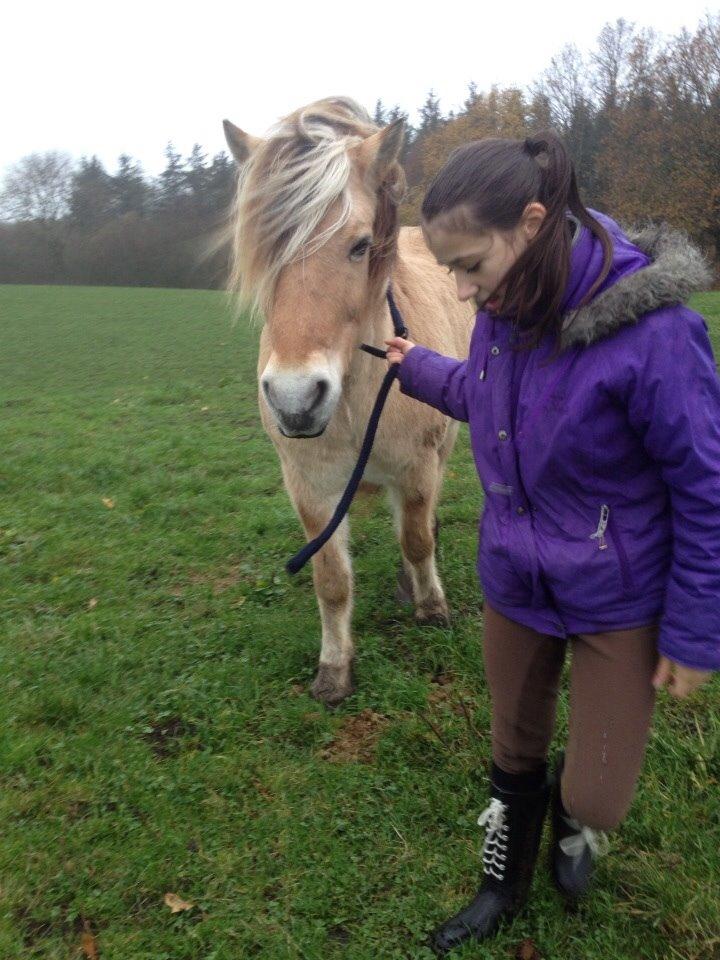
<point x="487" y="184"/>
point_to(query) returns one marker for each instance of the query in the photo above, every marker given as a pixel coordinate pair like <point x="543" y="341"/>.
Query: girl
<point x="593" y="405"/>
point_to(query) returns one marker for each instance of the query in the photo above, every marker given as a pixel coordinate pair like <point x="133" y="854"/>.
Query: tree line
<point x="640" y="115"/>
<point x="81" y="224"/>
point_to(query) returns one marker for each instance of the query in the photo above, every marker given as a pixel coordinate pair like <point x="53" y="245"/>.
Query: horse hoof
<point x="332" y="684"/>
<point x="437" y="615"/>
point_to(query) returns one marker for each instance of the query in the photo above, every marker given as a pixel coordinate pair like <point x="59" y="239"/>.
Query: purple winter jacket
<point x="601" y="467"/>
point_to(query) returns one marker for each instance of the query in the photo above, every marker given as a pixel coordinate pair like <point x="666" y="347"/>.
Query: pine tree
<point x="472" y="96"/>
<point x="172" y="181"/>
<point x="430" y="114"/>
<point x="220" y="183"/>
<point x="132" y="193"/>
<point x="92" y="198"/>
<point x="196" y="178"/>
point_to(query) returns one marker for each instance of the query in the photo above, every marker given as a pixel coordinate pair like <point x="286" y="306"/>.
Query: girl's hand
<point x="681" y="681"/>
<point x="398" y="349"/>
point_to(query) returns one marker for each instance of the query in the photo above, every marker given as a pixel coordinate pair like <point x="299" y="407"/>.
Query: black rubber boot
<point x="513" y="821"/>
<point x="574" y="847"/>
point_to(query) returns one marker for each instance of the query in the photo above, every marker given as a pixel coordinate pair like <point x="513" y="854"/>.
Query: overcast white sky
<point x="94" y="77"/>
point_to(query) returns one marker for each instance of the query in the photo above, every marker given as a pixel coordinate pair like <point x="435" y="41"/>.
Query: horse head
<point x="315" y="227"/>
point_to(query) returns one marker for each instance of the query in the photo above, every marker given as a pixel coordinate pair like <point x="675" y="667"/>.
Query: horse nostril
<point x="321" y="389"/>
<point x="266" y="390"/>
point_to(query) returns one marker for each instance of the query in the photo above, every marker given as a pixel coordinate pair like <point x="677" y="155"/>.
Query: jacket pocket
<point x="607" y="528"/>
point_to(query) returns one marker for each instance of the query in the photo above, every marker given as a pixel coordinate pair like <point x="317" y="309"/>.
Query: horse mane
<point x="387" y="224"/>
<point x="286" y="188"/>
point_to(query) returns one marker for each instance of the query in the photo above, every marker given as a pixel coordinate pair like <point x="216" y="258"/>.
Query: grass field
<point x="156" y="733"/>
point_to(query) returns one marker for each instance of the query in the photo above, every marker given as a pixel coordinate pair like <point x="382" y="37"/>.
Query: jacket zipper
<point x="599" y="534"/>
<point x="606" y="524"/>
<point x="484" y="366"/>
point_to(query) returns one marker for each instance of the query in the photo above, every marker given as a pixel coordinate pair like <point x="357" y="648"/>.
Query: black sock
<point x="519" y="782"/>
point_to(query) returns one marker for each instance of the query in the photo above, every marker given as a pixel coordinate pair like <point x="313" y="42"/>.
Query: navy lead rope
<point x="302" y="556"/>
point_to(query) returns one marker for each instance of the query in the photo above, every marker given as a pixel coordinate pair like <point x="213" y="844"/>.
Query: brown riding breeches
<point x="611" y="704"/>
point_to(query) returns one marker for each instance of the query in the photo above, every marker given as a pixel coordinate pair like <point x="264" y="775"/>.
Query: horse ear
<point x="241" y="144"/>
<point x="380" y="151"/>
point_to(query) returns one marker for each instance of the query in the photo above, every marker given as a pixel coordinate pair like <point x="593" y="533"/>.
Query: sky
<point x="97" y="78"/>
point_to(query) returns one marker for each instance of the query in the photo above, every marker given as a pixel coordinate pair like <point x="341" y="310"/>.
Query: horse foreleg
<point x="416" y="527"/>
<point x="332" y="576"/>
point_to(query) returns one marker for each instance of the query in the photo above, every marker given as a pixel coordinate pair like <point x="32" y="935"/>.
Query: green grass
<point x="156" y="734"/>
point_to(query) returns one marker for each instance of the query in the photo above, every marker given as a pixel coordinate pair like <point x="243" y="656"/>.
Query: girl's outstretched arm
<point x="429" y="376"/>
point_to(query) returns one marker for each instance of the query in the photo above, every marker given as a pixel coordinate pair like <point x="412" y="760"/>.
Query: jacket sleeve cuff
<point x="408" y="374"/>
<point x="696" y="644"/>
<point x="434" y="379"/>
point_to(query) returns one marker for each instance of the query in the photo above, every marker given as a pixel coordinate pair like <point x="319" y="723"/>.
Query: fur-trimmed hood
<point x="675" y="269"/>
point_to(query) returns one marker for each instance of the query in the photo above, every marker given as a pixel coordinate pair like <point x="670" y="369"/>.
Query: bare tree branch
<point x="37" y="187"/>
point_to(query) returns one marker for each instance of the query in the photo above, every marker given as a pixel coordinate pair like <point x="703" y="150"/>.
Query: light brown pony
<point x="315" y="243"/>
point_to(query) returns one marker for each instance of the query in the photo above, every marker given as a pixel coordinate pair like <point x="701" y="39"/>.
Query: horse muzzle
<point x="302" y="403"/>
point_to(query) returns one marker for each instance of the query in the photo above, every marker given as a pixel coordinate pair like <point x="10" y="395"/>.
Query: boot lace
<point x="584" y="837"/>
<point x="494" y="851"/>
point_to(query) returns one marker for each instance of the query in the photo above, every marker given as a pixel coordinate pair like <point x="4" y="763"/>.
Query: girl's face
<point x="479" y="260"/>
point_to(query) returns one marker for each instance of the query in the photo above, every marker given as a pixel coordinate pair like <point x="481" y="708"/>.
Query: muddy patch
<point x="339" y="934"/>
<point x="165" y="736"/>
<point x="356" y="739"/>
<point x="37" y="927"/>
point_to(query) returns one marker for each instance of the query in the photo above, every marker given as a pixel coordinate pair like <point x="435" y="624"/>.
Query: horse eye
<point x="358" y="251"/>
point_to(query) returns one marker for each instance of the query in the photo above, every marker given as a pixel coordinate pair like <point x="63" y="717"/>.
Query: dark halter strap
<point x="302" y="556"/>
